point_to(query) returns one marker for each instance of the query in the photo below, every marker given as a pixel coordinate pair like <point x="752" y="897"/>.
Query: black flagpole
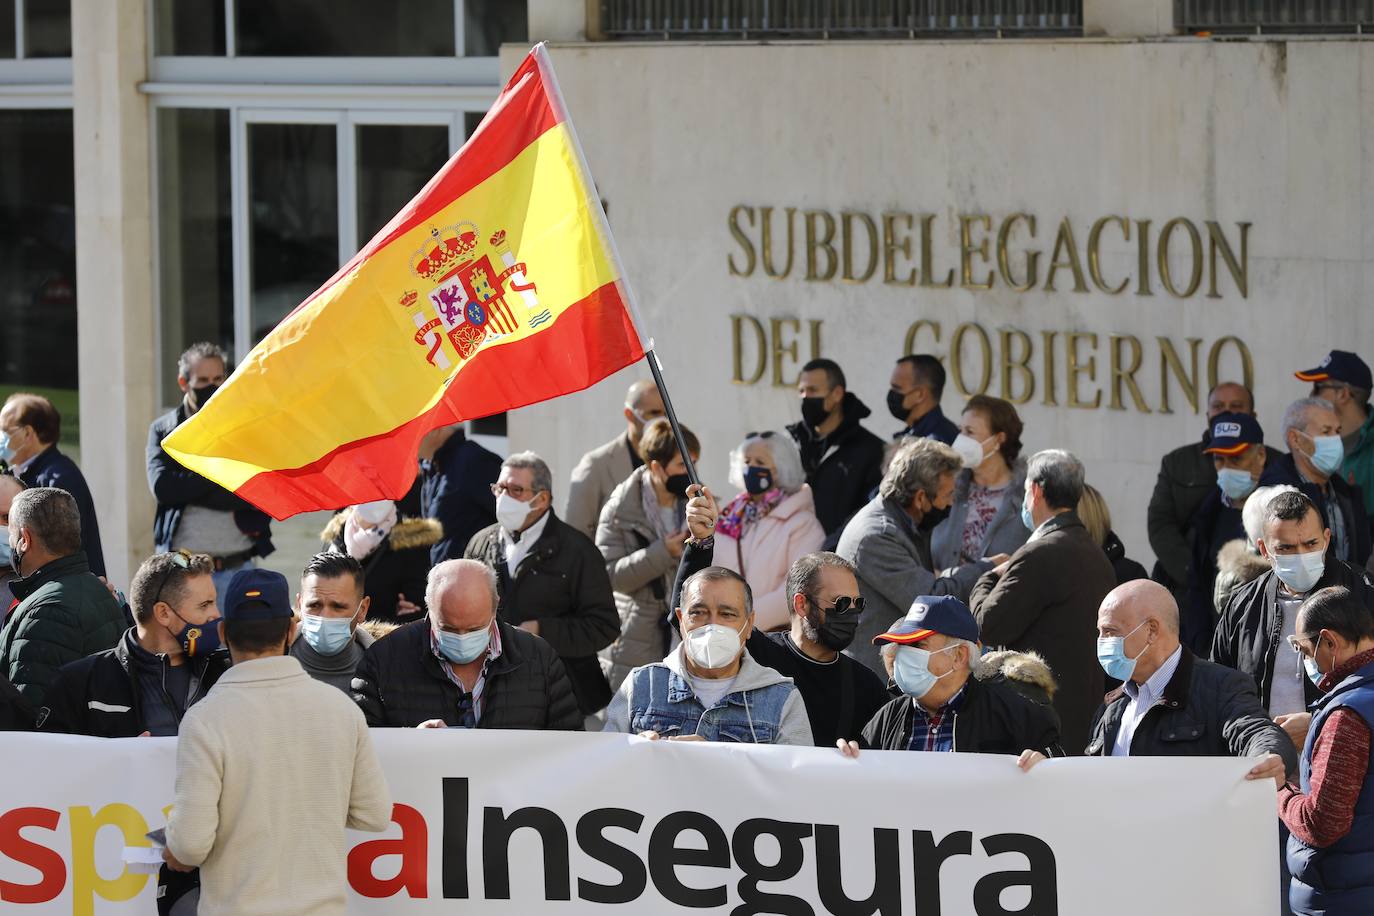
<point x="652" y="359"/>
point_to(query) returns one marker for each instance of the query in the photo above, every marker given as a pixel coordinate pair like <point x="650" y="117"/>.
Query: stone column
<point x="116" y="322"/>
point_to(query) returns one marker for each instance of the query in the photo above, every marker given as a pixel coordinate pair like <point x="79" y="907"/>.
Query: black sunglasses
<point x="766" y="434"/>
<point x="843" y="605"/>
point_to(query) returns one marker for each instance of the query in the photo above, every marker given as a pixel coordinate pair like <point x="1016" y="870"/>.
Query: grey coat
<point x="1005" y="534"/>
<point x="641" y="571"/>
<point x="893" y="559"/>
<point x="598" y="473"/>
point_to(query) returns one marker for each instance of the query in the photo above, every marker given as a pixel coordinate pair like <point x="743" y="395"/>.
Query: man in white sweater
<point x="271" y="767"/>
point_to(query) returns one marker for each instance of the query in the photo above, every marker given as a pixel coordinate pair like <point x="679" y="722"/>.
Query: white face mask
<point x="971" y="450"/>
<point x="714" y="645"/>
<point x="511" y="512"/>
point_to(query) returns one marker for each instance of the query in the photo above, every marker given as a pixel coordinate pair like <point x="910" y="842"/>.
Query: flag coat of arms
<point x="498" y="286"/>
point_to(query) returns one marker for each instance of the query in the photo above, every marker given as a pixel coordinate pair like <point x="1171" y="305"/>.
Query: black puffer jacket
<point x="1247" y="636"/>
<point x="1205" y="711"/>
<point x="563" y="584"/>
<point x="843" y="468"/>
<point x="106" y="694"/>
<point x="399" y="683"/>
<point x="995" y="716"/>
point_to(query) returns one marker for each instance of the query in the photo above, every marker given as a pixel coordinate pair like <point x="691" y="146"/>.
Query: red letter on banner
<point x="413" y="848"/>
<point x="40" y="858"/>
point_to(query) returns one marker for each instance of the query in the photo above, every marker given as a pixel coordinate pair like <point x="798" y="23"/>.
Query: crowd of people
<point x="936" y="590"/>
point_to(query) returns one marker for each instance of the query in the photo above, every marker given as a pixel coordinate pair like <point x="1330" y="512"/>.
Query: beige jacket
<point x="598" y="473"/>
<point x="271" y="767"/>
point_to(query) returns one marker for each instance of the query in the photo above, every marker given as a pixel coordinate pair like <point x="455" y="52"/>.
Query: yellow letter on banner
<point x="86" y="880"/>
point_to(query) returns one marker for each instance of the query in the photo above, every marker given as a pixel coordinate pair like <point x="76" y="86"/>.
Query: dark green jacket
<point x="64" y="614"/>
<point x="1359" y="464"/>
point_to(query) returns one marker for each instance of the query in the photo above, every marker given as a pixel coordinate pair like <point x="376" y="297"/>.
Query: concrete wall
<point x="1273" y="134"/>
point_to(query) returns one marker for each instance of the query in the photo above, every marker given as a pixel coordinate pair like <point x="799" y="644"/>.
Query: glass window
<point x="345" y="28"/>
<point x="38" y="260"/>
<point x="47" y="28"/>
<point x="189" y="27"/>
<point x="195" y="227"/>
<point x="488" y="23"/>
<point x="394" y="163"/>
<point x="7" y="28"/>
<point x="293" y="201"/>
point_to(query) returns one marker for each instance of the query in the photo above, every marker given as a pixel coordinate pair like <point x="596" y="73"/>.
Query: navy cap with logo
<point x="257" y="594"/>
<point x="1232" y="433"/>
<point x="1340" y="366"/>
<point x="941" y="614"/>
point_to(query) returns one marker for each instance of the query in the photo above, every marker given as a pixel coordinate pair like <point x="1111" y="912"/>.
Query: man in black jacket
<point x="1171" y="703"/>
<point x="843" y="461"/>
<point x="168" y="660"/>
<point x="456" y="475"/>
<point x="552" y="580"/>
<point x="462" y="667"/>
<point x="194" y="513"/>
<point x="1250" y="636"/>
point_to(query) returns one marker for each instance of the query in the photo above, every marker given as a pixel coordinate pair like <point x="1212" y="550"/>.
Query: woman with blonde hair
<point x="1097" y="518"/>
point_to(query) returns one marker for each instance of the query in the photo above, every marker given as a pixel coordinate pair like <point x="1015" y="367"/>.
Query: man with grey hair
<point x="1045" y="598"/>
<point x="888" y="541"/>
<point x="603" y="468"/>
<point x="194" y="513"/>
<point x="551" y="579"/>
<point x="64" y="613"/>
<point x="1312" y="431"/>
<point x="462" y="667"/>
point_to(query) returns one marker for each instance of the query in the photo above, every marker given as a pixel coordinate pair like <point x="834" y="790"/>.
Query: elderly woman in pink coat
<point x="768" y="526"/>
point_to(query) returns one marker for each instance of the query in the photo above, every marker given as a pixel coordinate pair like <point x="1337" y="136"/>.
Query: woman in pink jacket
<point x="764" y="529"/>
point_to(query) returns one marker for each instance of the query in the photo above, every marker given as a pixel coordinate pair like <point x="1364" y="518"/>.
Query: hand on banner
<point x="1270" y="767"/>
<point x="433" y="723"/>
<point x="1029" y="759"/>
<point x="172" y="862"/>
<point x="702" y="512"/>
<point x="848" y="749"/>
<point x="404" y="607"/>
<point x="655" y="736"/>
<point x="1295" y="725"/>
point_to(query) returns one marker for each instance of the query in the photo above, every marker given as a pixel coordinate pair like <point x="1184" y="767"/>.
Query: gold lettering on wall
<point x="956" y="355"/>
<point x="1018" y="363"/>
<point x="744" y="241"/>
<point x="1064" y="242"/>
<point x="893" y="244"/>
<point x="1166" y="274"/>
<point x="1170" y="364"/>
<point x="737" y="325"/>
<point x="1247" y="365"/>
<point x="1238" y="267"/>
<point x="968" y="250"/>
<point x="783" y="347"/>
<point x="1077" y="368"/>
<point x="928" y="257"/>
<point x="910" y="346"/>
<point x="871" y="233"/>
<point x="1048" y="337"/>
<point x="823" y="244"/>
<point x="1095" y="256"/>
<point x="1123" y="372"/>
<point x="1004" y="259"/>
<point x="766" y="215"/>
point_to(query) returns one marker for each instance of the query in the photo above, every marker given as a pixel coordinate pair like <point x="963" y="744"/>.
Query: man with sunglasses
<point x="1329" y="812"/>
<point x="168" y="660"/>
<point x="1345" y="381"/>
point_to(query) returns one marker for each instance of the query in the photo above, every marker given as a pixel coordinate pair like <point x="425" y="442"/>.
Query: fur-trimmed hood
<point x="1026" y="668"/>
<point x="408" y="534"/>
<point x="1237" y="559"/>
<point x="378" y="628"/>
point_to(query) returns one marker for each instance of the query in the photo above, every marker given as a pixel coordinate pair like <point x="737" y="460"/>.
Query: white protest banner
<point x="542" y="822"/>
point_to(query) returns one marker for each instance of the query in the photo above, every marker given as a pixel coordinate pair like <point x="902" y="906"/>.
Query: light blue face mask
<point x="911" y="670"/>
<point x="1235" y="483"/>
<point x="1111" y="655"/>
<point x="5" y="552"/>
<point x="1327" y="453"/>
<point x="461" y="648"/>
<point x="6" y="453"/>
<point x="327" y="635"/>
<point x="1026" y="516"/>
<point x="1314" y="674"/>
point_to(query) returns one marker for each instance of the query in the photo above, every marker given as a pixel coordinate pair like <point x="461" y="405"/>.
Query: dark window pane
<point x="470" y="121"/>
<point x="488" y="23"/>
<point x="38" y="260"/>
<point x="293" y="216"/>
<point x="345" y="28"/>
<point x="195" y="235"/>
<point x="394" y="162"/>
<point x="6" y="28"/>
<point x="48" y="28"/>
<point x="189" y="28"/>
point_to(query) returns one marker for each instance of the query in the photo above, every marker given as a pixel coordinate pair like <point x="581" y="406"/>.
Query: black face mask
<point x="932" y="518"/>
<point x="837" y="632"/>
<point x="894" y="404"/>
<point x="813" y="411"/>
<point x="204" y="394"/>
<point x="677" y="485"/>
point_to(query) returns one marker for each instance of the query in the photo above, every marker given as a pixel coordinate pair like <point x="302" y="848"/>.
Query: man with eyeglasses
<point x="1345" y="381"/>
<point x="1329" y="811"/>
<point x="551" y="579"/>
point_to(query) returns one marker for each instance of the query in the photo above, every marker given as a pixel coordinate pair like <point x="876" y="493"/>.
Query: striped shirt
<point x="469" y="704"/>
<point x="934" y="731"/>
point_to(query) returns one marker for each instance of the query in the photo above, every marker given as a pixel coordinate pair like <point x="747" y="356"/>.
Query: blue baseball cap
<point x="1340" y="366"/>
<point x="257" y="594"/>
<point x="941" y="614"/>
<point x="1232" y="433"/>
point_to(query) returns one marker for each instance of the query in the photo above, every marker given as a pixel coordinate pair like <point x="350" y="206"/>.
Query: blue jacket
<point x="51" y="468"/>
<point x="934" y="425"/>
<point x="456" y="490"/>
<point x="1337" y="880"/>
<point x="176" y="487"/>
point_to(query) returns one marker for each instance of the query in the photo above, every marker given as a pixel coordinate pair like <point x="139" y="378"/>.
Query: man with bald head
<point x="1172" y="703"/>
<point x="603" y="468"/>
<point x="460" y="666"/>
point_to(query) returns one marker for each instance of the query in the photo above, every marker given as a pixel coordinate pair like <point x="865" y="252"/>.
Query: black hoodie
<point x="843" y="468"/>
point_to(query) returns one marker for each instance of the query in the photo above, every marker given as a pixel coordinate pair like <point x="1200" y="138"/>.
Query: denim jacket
<point x="763" y="707"/>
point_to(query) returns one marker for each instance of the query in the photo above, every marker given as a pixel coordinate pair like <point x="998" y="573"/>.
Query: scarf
<point x="653" y="511"/>
<point x="367" y="526"/>
<point x="741" y="512"/>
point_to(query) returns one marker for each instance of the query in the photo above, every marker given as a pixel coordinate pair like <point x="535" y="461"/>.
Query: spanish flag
<point x="498" y="286"/>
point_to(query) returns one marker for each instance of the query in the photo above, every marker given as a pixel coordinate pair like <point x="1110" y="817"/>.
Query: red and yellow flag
<point x="498" y="286"/>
